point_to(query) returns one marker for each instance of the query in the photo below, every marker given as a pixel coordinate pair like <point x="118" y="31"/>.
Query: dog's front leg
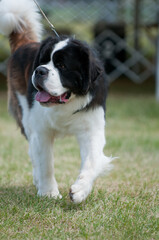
<point x="41" y="153"/>
<point x="93" y="163"/>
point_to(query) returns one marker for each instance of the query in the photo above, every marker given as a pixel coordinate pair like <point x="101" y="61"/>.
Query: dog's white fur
<point x="88" y="127"/>
<point x="17" y="14"/>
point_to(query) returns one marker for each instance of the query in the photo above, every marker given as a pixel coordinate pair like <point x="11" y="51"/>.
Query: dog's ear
<point x="85" y="70"/>
<point x="95" y="69"/>
<point x="91" y="67"/>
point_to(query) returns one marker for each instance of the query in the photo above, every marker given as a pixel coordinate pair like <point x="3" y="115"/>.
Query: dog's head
<point x="63" y="67"/>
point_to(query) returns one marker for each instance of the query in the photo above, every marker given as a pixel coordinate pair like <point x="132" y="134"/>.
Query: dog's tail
<point x="20" y="21"/>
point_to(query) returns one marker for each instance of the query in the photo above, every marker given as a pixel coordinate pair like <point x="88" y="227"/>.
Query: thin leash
<point x="51" y="25"/>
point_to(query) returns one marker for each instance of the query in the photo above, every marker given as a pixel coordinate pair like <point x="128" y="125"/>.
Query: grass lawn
<point x="122" y="205"/>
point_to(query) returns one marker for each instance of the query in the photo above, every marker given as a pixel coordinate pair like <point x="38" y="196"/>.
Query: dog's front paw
<point x="79" y="191"/>
<point x="50" y="194"/>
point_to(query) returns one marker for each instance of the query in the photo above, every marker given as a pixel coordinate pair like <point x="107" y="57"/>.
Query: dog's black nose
<point x="41" y="71"/>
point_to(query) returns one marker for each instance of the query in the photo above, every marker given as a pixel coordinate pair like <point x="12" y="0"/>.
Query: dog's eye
<point x="61" y="66"/>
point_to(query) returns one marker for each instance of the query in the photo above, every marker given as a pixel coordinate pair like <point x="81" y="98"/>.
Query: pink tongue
<point x="42" y="96"/>
<point x="46" y="97"/>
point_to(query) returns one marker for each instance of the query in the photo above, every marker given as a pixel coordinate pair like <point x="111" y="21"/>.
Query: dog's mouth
<point x="45" y="98"/>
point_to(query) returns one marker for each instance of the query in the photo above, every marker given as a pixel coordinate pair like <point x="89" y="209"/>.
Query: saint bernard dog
<point x="55" y="87"/>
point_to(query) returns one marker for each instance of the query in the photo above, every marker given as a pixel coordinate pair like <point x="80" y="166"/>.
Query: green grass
<point x="122" y="205"/>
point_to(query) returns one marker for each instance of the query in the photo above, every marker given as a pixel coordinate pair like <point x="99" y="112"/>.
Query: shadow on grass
<point x="24" y="197"/>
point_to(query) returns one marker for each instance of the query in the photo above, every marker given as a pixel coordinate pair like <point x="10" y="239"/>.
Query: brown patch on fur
<point x="17" y="40"/>
<point x="23" y="37"/>
<point x="15" y="109"/>
<point x="19" y="75"/>
<point x="15" y="84"/>
<point x="23" y="44"/>
<point x="16" y="80"/>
